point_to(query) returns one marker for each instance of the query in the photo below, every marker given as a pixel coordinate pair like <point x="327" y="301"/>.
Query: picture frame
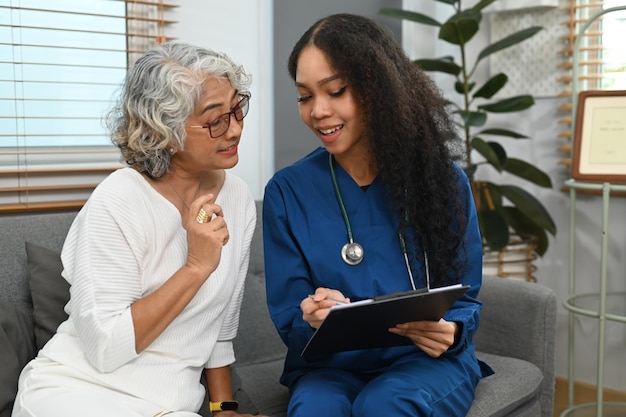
<point x="599" y="151"/>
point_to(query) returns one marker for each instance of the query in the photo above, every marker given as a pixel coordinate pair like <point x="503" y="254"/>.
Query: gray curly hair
<point x="159" y="95"/>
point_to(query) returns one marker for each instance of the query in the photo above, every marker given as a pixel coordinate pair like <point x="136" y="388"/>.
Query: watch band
<point x="223" y="405"/>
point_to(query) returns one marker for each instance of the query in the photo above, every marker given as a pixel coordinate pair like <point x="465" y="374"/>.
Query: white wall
<point x="540" y="124"/>
<point x="243" y="30"/>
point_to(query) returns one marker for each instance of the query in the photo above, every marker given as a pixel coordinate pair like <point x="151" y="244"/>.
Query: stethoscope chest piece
<point x="352" y="253"/>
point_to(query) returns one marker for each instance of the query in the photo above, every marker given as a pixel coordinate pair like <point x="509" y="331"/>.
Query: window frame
<point x="42" y="178"/>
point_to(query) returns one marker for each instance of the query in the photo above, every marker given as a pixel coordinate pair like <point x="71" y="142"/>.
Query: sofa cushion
<point x="512" y="391"/>
<point x="513" y="388"/>
<point x="45" y="229"/>
<point x="49" y="291"/>
<point x="260" y="382"/>
<point x="257" y="340"/>
<point x="17" y="347"/>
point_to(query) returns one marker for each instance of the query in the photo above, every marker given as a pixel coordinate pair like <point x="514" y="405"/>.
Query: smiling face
<point x="328" y="107"/>
<point x="202" y="152"/>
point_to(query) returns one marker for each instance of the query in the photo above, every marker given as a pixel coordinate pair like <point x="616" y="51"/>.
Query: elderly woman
<point x="157" y="257"/>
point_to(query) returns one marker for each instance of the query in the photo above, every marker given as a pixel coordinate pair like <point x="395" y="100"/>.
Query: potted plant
<point x="503" y="209"/>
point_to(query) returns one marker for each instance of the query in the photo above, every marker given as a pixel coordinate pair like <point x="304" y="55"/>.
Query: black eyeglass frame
<point x="243" y="104"/>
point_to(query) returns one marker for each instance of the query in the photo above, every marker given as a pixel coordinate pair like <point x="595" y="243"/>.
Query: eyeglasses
<point x="220" y="125"/>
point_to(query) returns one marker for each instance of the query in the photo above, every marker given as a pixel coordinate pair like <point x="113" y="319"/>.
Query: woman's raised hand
<point x="207" y="233"/>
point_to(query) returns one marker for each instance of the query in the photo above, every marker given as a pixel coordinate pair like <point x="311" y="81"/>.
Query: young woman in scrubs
<point x="379" y="207"/>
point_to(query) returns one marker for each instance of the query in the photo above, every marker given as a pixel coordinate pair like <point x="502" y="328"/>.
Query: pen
<point x="331" y="299"/>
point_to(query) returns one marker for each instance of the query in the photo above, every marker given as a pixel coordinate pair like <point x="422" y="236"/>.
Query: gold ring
<point x="202" y="216"/>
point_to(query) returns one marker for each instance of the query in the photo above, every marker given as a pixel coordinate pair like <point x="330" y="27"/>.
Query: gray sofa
<point x="516" y="337"/>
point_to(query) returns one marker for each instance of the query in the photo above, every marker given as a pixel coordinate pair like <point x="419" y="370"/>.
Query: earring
<point x="172" y="151"/>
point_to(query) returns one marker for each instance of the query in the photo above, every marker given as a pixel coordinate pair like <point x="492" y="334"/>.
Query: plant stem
<point x="466" y="103"/>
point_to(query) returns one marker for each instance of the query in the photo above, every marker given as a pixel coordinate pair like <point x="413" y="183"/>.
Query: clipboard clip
<point x="400" y="294"/>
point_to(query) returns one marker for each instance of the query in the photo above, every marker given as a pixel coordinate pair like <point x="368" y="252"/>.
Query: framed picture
<point x="599" y="152"/>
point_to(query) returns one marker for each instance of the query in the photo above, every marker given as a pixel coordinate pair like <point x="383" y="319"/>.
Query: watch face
<point x="229" y="405"/>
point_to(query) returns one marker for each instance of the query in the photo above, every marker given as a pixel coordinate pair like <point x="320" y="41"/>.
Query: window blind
<point x="61" y="65"/>
<point x="602" y="62"/>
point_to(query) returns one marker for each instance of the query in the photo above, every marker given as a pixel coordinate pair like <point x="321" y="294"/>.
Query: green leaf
<point x="530" y="206"/>
<point x="492" y="86"/>
<point x="481" y="5"/>
<point x="499" y="150"/>
<point x="472" y="118"/>
<point x="441" y="65"/>
<point x="447" y="1"/>
<point x="459" y="87"/>
<point x="503" y="132"/>
<point x="487" y="152"/>
<point x="508" y="105"/>
<point x="510" y="40"/>
<point x="458" y="32"/>
<point x="409" y="15"/>
<point x="542" y="242"/>
<point x="494" y="228"/>
<point x="527" y="171"/>
<point x="526" y="228"/>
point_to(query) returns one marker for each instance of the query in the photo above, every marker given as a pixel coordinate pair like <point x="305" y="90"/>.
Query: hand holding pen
<point x="334" y="300"/>
<point x="315" y="307"/>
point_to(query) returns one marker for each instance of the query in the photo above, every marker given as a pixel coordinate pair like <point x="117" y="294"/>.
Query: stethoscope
<point x="352" y="252"/>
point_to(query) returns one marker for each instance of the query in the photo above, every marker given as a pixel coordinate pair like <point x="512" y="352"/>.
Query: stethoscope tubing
<point x="351" y="241"/>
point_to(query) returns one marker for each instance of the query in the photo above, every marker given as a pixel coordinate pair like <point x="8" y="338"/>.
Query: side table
<point x="602" y="306"/>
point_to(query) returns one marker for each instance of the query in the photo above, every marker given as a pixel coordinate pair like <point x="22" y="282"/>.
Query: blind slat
<point x="151" y="3"/>
<point x="68" y="48"/>
<point x="590" y="63"/>
<point x="149" y="20"/>
<point x="144" y="36"/>
<point x="567" y="107"/>
<point x="74" y="31"/>
<point x="60" y="171"/>
<point x="40" y="207"/>
<point x="65" y="12"/>
<point x="47" y="188"/>
<point x="574" y="6"/>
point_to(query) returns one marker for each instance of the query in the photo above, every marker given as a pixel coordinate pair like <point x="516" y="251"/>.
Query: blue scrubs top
<point x="304" y="231"/>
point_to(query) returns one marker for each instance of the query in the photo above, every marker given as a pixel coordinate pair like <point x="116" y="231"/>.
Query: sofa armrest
<point x="519" y="320"/>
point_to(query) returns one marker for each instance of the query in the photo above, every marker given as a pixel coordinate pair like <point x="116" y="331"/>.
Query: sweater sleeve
<point x="101" y="259"/>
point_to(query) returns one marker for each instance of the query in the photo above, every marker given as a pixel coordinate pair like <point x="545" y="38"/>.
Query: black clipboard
<point x="364" y="324"/>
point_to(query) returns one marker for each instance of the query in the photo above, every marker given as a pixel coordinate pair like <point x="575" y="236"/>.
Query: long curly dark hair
<point x="410" y="130"/>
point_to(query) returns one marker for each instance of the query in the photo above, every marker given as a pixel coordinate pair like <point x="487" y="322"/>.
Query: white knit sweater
<point x="125" y="243"/>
